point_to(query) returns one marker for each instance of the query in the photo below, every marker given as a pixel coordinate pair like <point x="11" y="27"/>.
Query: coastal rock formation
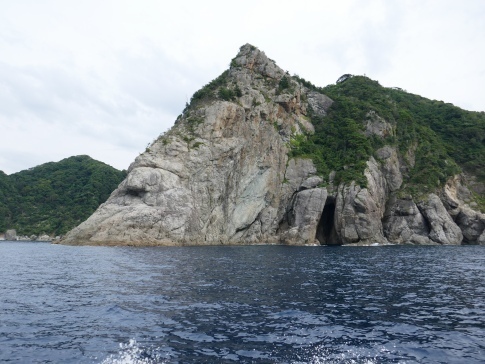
<point x="224" y="174"/>
<point x="404" y="223"/>
<point x="472" y="225"/>
<point x="11" y="234"/>
<point x="216" y="177"/>
<point x="443" y="229"/>
<point x="457" y="199"/>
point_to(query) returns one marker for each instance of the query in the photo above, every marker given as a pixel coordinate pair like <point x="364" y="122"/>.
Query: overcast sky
<point x="105" y="78"/>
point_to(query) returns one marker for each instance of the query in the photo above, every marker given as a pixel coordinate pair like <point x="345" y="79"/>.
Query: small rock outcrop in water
<point x="223" y="175"/>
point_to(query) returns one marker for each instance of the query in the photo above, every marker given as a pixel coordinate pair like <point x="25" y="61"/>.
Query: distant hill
<point x="54" y="197"/>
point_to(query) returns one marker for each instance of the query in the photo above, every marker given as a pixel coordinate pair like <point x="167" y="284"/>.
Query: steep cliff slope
<point x="259" y="157"/>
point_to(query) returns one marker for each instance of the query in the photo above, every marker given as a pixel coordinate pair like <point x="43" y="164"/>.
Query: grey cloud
<point x="37" y="103"/>
<point x="44" y="91"/>
<point x="159" y="81"/>
<point x="110" y="89"/>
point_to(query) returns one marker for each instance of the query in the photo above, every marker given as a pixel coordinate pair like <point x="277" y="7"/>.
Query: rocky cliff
<point x="228" y="172"/>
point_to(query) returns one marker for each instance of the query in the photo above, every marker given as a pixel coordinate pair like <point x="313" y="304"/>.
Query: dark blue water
<point x="260" y="304"/>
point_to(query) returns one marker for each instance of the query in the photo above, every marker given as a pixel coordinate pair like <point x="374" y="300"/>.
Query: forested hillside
<point x="54" y="197"/>
<point x="443" y="138"/>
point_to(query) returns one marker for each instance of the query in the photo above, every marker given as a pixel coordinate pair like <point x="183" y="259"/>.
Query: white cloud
<point x="106" y="78"/>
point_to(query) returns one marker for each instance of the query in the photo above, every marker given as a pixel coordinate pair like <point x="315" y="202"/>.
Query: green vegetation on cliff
<point x="55" y="197"/>
<point x="8" y="193"/>
<point x="443" y="138"/>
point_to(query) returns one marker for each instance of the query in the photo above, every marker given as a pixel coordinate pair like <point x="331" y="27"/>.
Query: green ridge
<point x="55" y="197"/>
<point x="447" y="139"/>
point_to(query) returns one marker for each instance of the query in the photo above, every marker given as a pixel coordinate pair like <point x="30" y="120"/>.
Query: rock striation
<point x="223" y="175"/>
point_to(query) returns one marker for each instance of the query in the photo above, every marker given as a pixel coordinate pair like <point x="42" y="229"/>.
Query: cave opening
<point x="326" y="228"/>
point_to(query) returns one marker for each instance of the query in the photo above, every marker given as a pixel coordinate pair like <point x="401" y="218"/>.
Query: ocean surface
<point x="256" y="304"/>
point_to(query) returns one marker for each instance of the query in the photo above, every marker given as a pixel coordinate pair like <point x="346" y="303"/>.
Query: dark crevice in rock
<point x="427" y="223"/>
<point x="248" y="226"/>
<point x="326" y="233"/>
<point x="288" y="217"/>
<point x="136" y="193"/>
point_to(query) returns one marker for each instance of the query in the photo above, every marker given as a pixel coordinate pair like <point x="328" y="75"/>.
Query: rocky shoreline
<point x="11" y="235"/>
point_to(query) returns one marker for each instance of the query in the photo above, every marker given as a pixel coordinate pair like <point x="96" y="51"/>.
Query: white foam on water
<point x="131" y="353"/>
<point x="322" y="355"/>
<point x="134" y="353"/>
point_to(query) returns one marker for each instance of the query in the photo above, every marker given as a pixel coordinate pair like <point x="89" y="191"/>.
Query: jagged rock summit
<point x="223" y="175"/>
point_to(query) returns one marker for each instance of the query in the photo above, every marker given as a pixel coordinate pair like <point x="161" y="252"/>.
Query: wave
<point x="133" y="353"/>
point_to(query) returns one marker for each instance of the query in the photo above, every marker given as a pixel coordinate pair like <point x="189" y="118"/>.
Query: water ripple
<point x="241" y="304"/>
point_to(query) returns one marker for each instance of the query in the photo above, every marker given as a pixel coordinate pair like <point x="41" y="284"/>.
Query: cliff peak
<point x="250" y="57"/>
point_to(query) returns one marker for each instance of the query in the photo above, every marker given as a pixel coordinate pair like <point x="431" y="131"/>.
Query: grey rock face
<point x="375" y="125"/>
<point x="256" y="61"/>
<point x="359" y="211"/>
<point x="357" y="216"/>
<point x="222" y="191"/>
<point x="298" y="172"/>
<point x="404" y="223"/>
<point x="319" y="103"/>
<point x="455" y="197"/>
<point x="218" y="176"/>
<point x="443" y="229"/>
<point x="455" y="194"/>
<point x="304" y="215"/>
<point x="472" y="225"/>
<point x="390" y="167"/>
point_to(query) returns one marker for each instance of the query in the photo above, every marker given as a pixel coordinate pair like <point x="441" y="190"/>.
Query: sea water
<point x="244" y="304"/>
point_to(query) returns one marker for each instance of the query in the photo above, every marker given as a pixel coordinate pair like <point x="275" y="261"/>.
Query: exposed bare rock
<point x="43" y="237"/>
<point x="298" y="171"/>
<point x="472" y="224"/>
<point x="375" y="125"/>
<point x="311" y="182"/>
<point x="303" y="216"/>
<point x="218" y="176"/>
<point x="256" y="61"/>
<point x="455" y="194"/>
<point x="455" y="197"/>
<point x="224" y="190"/>
<point x="390" y="167"/>
<point x="357" y="216"/>
<point x="443" y="229"/>
<point x="404" y="223"/>
<point x="377" y="185"/>
<point x="290" y="102"/>
<point x="319" y="103"/>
